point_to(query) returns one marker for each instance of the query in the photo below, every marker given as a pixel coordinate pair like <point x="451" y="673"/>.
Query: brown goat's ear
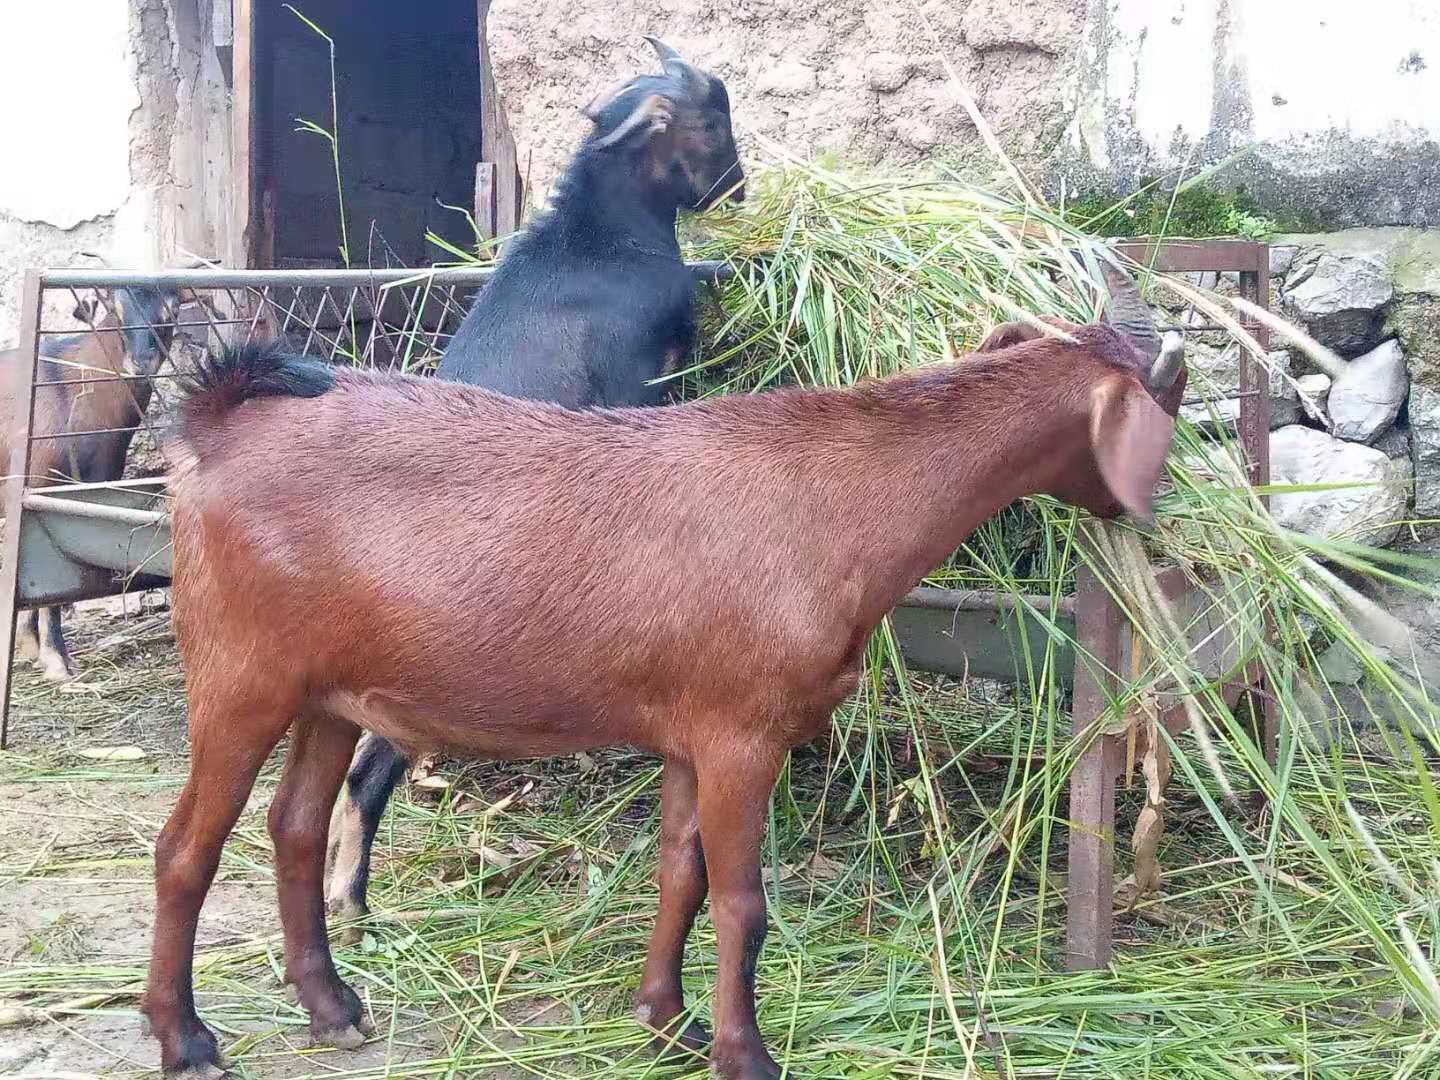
<point x="1013" y="333"/>
<point x="1131" y="436"/>
<point x="1007" y="334"/>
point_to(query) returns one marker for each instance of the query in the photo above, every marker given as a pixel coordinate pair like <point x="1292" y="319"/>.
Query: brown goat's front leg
<point x="320" y="749"/>
<point x="52" y="655"/>
<point x="227" y="749"/>
<point x="734" y="793"/>
<point x="660" y="1001"/>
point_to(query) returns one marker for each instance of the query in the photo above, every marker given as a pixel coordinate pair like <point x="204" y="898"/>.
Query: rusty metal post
<point x="19" y="470"/>
<point x="1090" y="890"/>
<point x="1255" y="418"/>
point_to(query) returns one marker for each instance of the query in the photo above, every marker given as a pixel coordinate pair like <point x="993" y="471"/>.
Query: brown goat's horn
<point x="1126" y="312"/>
<point x="692" y="78"/>
<point x="1170" y="363"/>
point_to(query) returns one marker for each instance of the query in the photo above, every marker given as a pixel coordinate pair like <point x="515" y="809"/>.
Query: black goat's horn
<point x="1127" y="312"/>
<point x="692" y="78"/>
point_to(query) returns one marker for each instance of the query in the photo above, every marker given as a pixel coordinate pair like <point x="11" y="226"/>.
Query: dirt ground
<point x="76" y="840"/>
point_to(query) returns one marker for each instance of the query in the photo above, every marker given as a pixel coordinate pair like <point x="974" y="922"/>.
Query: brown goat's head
<point x="148" y="316"/>
<point x="1127" y="385"/>
<point x="680" y="123"/>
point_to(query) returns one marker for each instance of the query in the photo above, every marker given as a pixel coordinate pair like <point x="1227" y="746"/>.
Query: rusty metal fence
<point x="73" y="535"/>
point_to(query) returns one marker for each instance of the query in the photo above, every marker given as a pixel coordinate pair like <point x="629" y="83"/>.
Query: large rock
<point x="1315" y="396"/>
<point x="1425" y="448"/>
<point x="1395" y="443"/>
<point x="1215" y="375"/>
<point x="1338" y="298"/>
<point x="1367" y="395"/>
<point x="1370" y="511"/>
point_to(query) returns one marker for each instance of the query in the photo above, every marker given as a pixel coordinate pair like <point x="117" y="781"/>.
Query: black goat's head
<point x="678" y="125"/>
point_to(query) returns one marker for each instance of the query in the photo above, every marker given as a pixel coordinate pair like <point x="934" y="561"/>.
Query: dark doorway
<point x="408" y="86"/>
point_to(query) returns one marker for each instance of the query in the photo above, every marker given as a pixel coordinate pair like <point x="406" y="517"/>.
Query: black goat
<point x="588" y="307"/>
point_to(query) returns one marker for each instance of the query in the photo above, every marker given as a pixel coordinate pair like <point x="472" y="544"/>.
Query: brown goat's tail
<point x="223" y="380"/>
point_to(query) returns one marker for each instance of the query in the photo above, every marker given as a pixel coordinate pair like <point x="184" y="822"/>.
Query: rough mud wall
<point x="862" y="79"/>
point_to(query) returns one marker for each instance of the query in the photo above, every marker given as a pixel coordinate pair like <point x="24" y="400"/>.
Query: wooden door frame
<point x="499" y="192"/>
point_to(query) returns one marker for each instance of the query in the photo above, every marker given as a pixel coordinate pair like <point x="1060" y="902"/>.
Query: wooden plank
<point x="244" y="210"/>
<point x="485" y="198"/>
<point x="222" y="36"/>
<point x="1180" y="256"/>
<point x="497" y="144"/>
<point x="22" y="422"/>
<point x="1090" y="890"/>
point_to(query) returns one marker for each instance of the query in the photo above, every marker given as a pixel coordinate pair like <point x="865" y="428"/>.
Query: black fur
<point x="223" y="380"/>
<point x="593" y="302"/>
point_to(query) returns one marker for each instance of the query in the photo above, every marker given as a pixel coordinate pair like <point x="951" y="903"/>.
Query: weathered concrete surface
<point x="862" y="79"/>
<point x="130" y="161"/>
<point x="1329" y="103"/>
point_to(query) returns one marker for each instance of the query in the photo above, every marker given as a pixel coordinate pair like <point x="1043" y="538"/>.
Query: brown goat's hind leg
<point x="319" y="753"/>
<point x="228" y="746"/>
<point x="660" y="1001"/>
<point x="734" y="793"/>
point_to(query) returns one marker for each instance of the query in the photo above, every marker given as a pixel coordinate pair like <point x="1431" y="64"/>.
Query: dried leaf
<point x="433" y="785"/>
<point x="113" y="753"/>
<point x="824" y="868"/>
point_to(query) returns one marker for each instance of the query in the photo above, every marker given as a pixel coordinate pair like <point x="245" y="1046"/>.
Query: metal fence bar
<point x="243" y="279"/>
<point x="32" y="293"/>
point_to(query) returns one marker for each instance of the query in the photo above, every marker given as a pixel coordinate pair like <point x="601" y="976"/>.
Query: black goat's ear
<point x="602" y="100"/>
<point x="654" y="115"/>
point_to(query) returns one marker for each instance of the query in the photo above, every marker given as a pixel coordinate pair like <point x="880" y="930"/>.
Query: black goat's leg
<point x="377" y="768"/>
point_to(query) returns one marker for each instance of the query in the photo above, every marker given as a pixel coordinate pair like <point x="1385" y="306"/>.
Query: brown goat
<point x="457" y="570"/>
<point x="86" y="383"/>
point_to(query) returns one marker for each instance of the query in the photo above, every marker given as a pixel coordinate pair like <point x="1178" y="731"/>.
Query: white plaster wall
<point x="1181" y="73"/>
<point x="67" y="129"/>
<point x="123" y="150"/>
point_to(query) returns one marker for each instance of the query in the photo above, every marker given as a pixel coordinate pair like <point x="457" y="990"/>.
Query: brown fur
<point x="457" y="570"/>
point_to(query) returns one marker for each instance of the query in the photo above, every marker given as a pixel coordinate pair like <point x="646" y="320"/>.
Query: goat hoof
<point x="348" y="1037"/>
<point x="669" y="1047"/>
<point x="197" y="1057"/>
<point x="292" y="993"/>
<point x="341" y="908"/>
<point x="751" y="1065"/>
<point x="57" y="671"/>
<point x="197" y="1072"/>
